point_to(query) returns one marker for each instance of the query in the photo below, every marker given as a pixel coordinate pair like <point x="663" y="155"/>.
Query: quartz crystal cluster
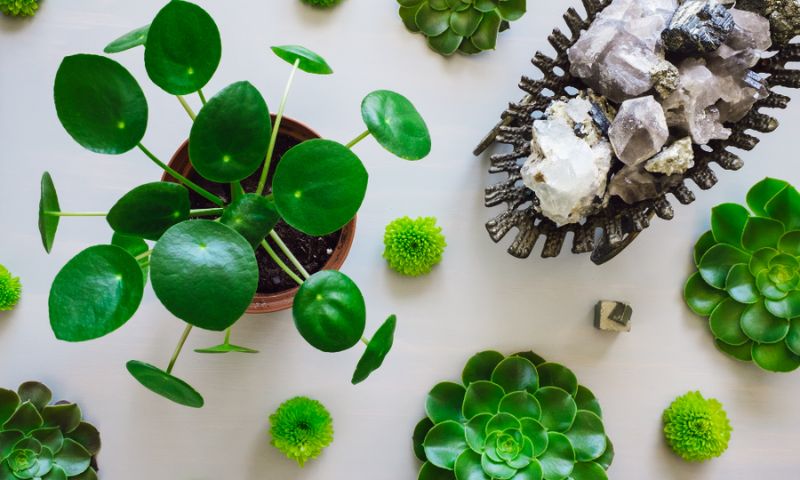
<point x="663" y="78"/>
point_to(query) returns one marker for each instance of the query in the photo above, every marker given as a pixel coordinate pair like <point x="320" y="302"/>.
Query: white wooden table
<point x="479" y="298"/>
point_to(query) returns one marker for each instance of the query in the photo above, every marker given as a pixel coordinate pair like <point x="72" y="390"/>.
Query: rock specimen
<point x="698" y="27"/>
<point x="612" y="316"/>
<point x="639" y="131"/>
<point x="674" y="159"/>
<point x="783" y="15"/>
<point x="634" y="184"/>
<point x="570" y="159"/>
<point x="621" y="55"/>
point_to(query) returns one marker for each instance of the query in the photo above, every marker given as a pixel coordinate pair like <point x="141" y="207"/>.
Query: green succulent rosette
<point x="44" y="441"/>
<point x="512" y="418"/>
<point x="748" y="277"/>
<point x="466" y="26"/>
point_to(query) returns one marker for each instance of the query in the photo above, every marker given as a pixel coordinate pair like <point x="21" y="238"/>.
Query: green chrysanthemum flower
<point x="10" y="289"/>
<point x="413" y="247"/>
<point x="301" y="428"/>
<point x="321" y="3"/>
<point x="696" y="428"/>
<point x="19" y="8"/>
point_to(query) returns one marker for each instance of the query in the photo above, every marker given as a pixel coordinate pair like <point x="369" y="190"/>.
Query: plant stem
<point x="281" y="263"/>
<point x="236" y="190"/>
<point x="178" y="348"/>
<point x="76" y="214"/>
<point x="197" y="188"/>
<point x="199" y="212"/>
<point x="299" y="266"/>
<point x="143" y="255"/>
<point x="355" y="141"/>
<point x="262" y="182"/>
<point x="186" y="107"/>
<point x="365" y="341"/>
<point x="228" y="336"/>
<point x="202" y="97"/>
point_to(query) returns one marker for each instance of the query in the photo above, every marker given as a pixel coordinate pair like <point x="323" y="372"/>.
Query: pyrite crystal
<point x="783" y="15"/>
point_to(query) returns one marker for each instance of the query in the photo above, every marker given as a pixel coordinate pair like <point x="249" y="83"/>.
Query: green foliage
<point x="130" y="40"/>
<point x="301" y="428"/>
<point x="322" y="3"/>
<point x="165" y="384"/>
<point x="306" y="60"/>
<point x="514" y="417"/>
<point x="696" y="428"/>
<point x="40" y="440"/>
<point x="10" y="289"/>
<point x="466" y="26"/>
<point x="396" y="124"/>
<point x="19" y="8"/>
<point x="748" y="278"/>
<point x="413" y="247"/>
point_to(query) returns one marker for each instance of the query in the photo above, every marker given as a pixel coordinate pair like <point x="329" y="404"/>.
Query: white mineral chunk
<point x="674" y="159"/>
<point x="569" y="163"/>
<point x="639" y="131"/>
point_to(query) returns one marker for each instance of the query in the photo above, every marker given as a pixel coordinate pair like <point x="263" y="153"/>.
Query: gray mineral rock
<point x="612" y="316"/>
<point x="635" y="184"/>
<point x="674" y="159"/>
<point x="639" y="131"/>
<point x="698" y="26"/>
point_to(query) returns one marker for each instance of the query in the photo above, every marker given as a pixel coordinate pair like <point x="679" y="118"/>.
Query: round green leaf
<point x="785" y="207"/>
<point x="559" y="458"/>
<point x="183" y="48"/>
<point x="135" y="246"/>
<point x="521" y="405"/>
<point x="307" y="60"/>
<point x="588" y="471"/>
<point x="512" y="10"/>
<point x="785" y="260"/>
<point x="432" y="22"/>
<point x="739" y="352"/>
<point x="446" y="43"/>
<point x="790" y="243"/>
<point x="87" y="435"/>
<point x="480" y="366"/>
<point x="741" y="285"/>
<point x="482" y="397"/>
<point x="73" y="458"/>
<point x="149" y="210"/>
<point x="531" y="357"/>
<point x="36" y="393"/>
<point x="50" y="437"/>
<point x="485" y="37"/>
<point x="717" y="263"/>
<point x="376" y="351"/>
<point x="100" y="104"/>
<point x="536" y="433"/>
<point x="432" y="472"/>
<point x="420" y="431"/>
<point x="57" y="473"/>
<point x="558" y="408"/>
<point x="253" y="216"/>
<point x="225" y="348"/>
<point x="555" y="375"/>
<point x="164" y="384"/>
<point x="48" y="204"/>
<point x="607" y="457"/>
<point x="468" y="467"/>
<point x="468" y="48"/>
<point x="761" y="232"/>
<point x="496" y="470"/>
<point x="792" y="338"/>
<point x="728" y="223"/>
<point x="502" y="422"/>
<point x="485" y="5"/>
<point x="444" y="443"/>
<point x="767" y="288"/>
<point x="204" y="273"/>
<point x="95" y="293"/>
<point x="231" y="134"/>
<point x="762" y="192"/>
<point x="701" y="297"/>
<point x="725" y="322"/>
<point x="516" y="373"/>
<point x="465" y="22"/>
<point x="409" y="14"/>
<point x="9" y="401"/>
<point x="475" y="430"/>
<point x="444" y="402"/>
<point x="760" y="260"/>
<point x="130" y="40"/>
<point x="396" y="124"/>
<point x="788" y="307"/>
<point x="761" y="326"/>
<point x="587" y="436"/>
<point x="585" y="400"/>
<point x="775" y="357"/>
<point x="329" y="311"/>
<point x="704" y="244"/>
<point x="531" y="472"/>
<point x="66" y="416"/>
<point x="26" y="419"/>
<point x="319" y="186"/>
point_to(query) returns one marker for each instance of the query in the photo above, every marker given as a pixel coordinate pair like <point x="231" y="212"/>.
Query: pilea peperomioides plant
<point x="515" y="417"/>
<point x="748" y="278"/>
<point x="44" y="441"/>
<point x="204" y="271"/>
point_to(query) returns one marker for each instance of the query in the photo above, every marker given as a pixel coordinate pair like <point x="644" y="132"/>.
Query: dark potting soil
<point x="312" y="252"/>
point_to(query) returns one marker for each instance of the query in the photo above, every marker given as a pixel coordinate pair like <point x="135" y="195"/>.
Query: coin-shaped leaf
<point x="95" y="293"/>
<point x="585" y="400"/>
<point x="329" y="311"/>
<point x="396" y="124"/>
<point x="230" y="135"/>
<point x="100" y="104"/>
<point x="728" y="222"/>
<point x="444" y="443"/>
<point x="725" y="322"/>
<point x="252" y="215"/>
<point x="73" y="458"/>
<point x="204" y="273"/>
<point x="164" y="384"/>
<point x="444" y="402"/>
<point x="588" y="471"/>
<point x="516" y="373"/>
<point x="482" y="397"/>
<point x="480" y="366"/>
<point x="718" y="261"/>
<point x="739" y="352"/>
<point x="512" y="10"/>
<point x="537" y="434"/>
<point x="319" y="186"/>
<point x="761" y="232"/>
<point x="475" y="430"/>
<point x="376" y="352"/>
<point x="485" y="37"/>
<point x="558" y="408"/>
<point x="183" y="48"/>
<point x="420" y="431"/>
<point x="775" y="357"/>
<point x="521" y="404"/>
<point x="556" y="375"/>
<point x="149" y="210"/>
<point x="135" y="246"/>
<point x="308" y="61"/>
<point x="130" y="40"/>
<point x="741" y="285"/>
<point x="468" y="466"/>
<point x="587" y="436"/>
<point x="762" y="326"/>
<point x="48" y="205"/>
<point x="787" y="307"/>
<point x="559" y="458"/>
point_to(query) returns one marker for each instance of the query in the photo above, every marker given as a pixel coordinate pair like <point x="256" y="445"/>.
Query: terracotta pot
<point x="274" y="302"/>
